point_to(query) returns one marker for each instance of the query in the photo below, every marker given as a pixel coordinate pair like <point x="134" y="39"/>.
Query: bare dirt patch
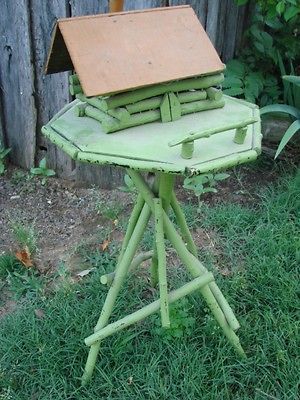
<point x="62" y="213"/>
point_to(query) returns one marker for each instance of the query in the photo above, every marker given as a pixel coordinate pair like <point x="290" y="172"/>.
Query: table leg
<point x="185" y="232"/>
<point x="120" y="274"/>
<point x="163" y="187"/>
<point x="195" y="267"/>
<point x="187" y="237"/>
<point x="132" y="223"/>
<point x="161" y="254"/>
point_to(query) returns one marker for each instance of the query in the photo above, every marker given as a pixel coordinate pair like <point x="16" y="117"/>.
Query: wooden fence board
<point x="90" y="7"/>
<point x="105" y="176"/>
<point x="231" y="19"/>
<point x="221" y="27"/>
<point x="51" y="90"/>
<point x="2" y="137"/>
<point x="16" y="81"/>
<point x="139" y="4"/>
<point x="213" y="11"/>
<point x="242" y="23"/>
<point x="199" y="6"/>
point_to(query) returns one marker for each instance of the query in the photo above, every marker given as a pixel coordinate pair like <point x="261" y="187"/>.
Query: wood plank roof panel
<point x="118" y="52"/>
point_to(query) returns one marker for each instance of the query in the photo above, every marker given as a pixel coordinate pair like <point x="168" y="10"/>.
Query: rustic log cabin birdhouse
<point x="138" y="67"/>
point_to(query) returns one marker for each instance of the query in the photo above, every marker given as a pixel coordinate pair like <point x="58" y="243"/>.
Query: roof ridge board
<point x="116" y="14"/>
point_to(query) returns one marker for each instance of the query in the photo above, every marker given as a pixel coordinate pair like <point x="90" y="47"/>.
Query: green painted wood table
<point x="197" y="143"/>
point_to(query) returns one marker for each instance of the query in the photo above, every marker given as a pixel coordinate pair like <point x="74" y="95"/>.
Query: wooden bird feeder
<point x="153" y="79"/>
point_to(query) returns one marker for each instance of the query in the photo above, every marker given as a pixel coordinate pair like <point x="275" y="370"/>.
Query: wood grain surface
<point x="154" y="46"/>
<point x="17" y="82"/>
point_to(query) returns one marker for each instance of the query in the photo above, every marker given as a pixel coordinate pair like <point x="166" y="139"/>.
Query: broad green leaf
<point x="210" y="190"/>
<point x="249" y="95"/>
<point x="271" y="13"/>
<point x="291" y="12"/>
<point x="233" y="91"/>
<point x="36" y="171"/>
<point x="237" y="67"/>
<point x="256" y="32"/>
<point x="267" y="39"/>
<point x="43" y="163"/>
<point x="256" y="78"/>
<point x="201" y="179"/>
<point x="272" y="53"/>
<point x="259" y="46"/>
<point x="281" y="108"/>
<point x="280" y="7"/>
<point x="198" y="190"/>
<point x="274" y="23"/>
<point x="4" y="152"/>
<point x="231" y="81"/>
<point x="290" y="132"/>
<point x="292" y="78"/>
<point x="188" y="181"/>
<point x="2" y="168"/>
<point x="49" y="172"/>
<point x="253" y="86"/>
<point x="221" y="176"/>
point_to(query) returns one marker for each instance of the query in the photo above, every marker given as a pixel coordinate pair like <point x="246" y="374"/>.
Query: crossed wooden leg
<point x="156" y="202"/>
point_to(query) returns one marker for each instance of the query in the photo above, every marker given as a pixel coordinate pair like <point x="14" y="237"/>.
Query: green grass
<point x="42" y="358"/>
<point x="25" y="236"/>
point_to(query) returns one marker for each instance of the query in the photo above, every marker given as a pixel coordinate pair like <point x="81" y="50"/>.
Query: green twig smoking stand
<point x="204" y="139"/>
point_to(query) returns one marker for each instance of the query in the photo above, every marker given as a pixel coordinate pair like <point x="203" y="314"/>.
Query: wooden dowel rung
<point x="144" y="312"/>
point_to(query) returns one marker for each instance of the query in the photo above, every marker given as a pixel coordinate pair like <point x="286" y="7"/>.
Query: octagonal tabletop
<point x="147" y="147"/>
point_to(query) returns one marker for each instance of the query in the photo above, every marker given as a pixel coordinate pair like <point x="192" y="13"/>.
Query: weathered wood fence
<point x="28" y="99"/>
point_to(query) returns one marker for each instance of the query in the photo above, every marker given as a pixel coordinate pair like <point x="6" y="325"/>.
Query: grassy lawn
<point x="42" y="351"/>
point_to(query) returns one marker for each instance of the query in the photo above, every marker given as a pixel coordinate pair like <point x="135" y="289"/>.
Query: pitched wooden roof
<point x="121" y="51"/>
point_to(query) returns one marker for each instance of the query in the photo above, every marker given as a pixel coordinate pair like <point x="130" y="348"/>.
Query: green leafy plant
<point x="20" y="279"/>
<point x="271" y="49"/>
<point x="286" y="109"/>
<point x="253" y="86"/>
<point x="17" y="269"/>
<point x="25" y="282"/>
<point x="205" y="183"/>
<point x="8" y="263"/>
<point x="42" y="170"/>
<point x="25" y="236"/>
<point x="20" y="177"/>
<point x="181" y="322"/>
<point x="293" y="83"/>
<point x="3" y="154"/>
<point x="109" y="210"/>
<point x="288" y="9"/>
